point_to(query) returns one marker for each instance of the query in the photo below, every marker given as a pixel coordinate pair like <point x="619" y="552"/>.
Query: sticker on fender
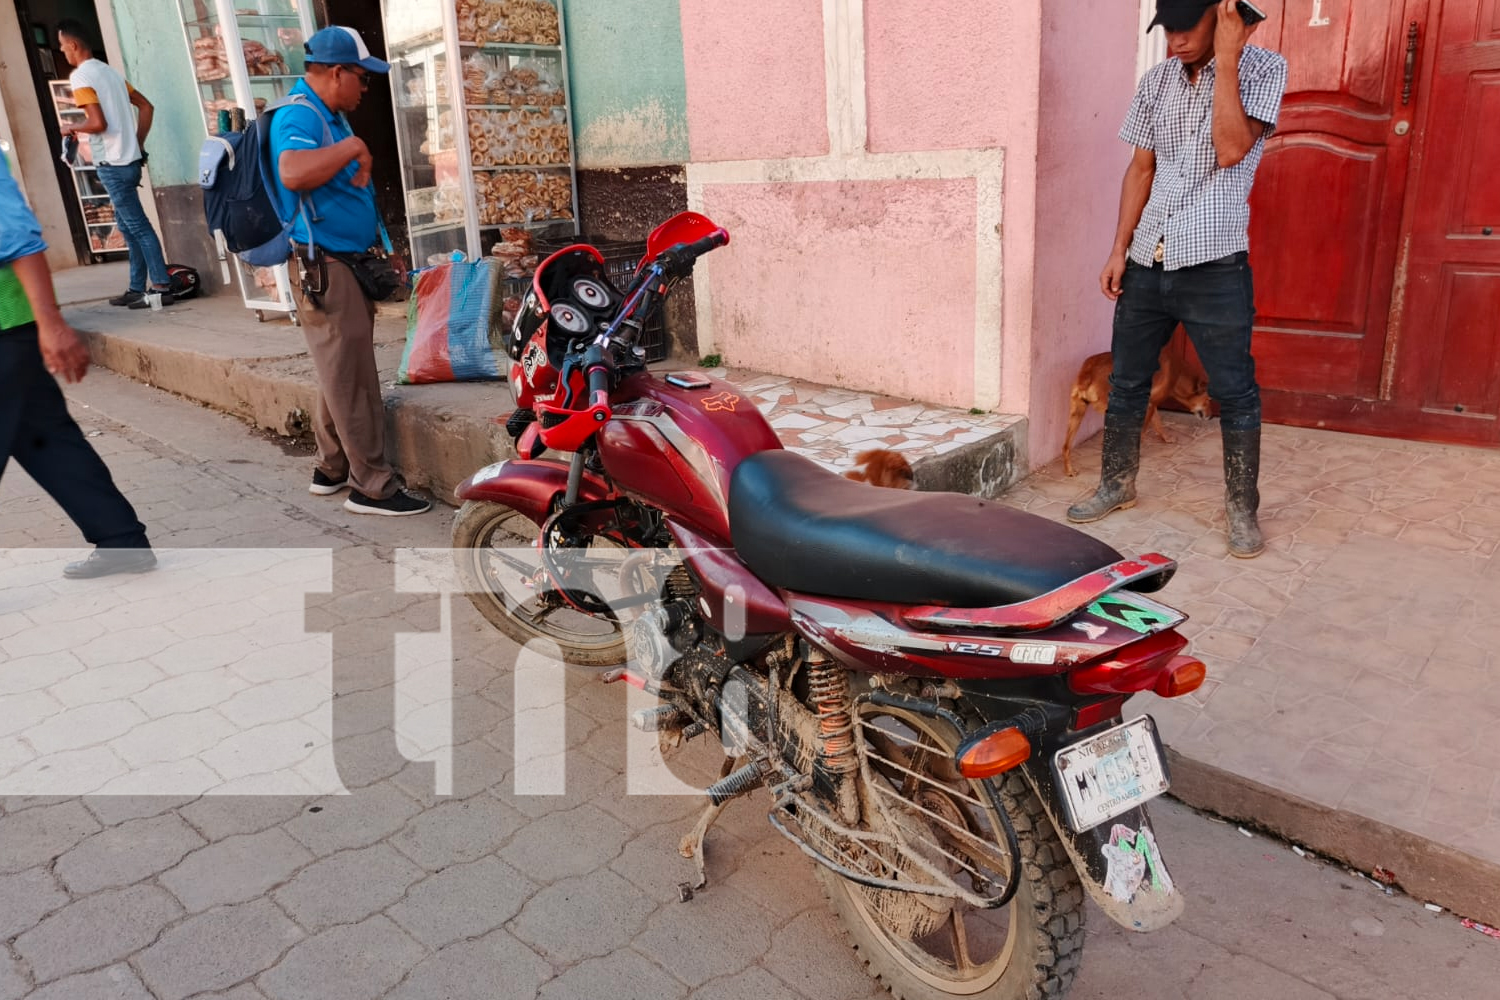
<point x="1106" y="775"/>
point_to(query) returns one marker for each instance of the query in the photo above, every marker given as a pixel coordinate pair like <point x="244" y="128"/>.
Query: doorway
<point x="38" y="21"/>
<point x="375" y="118"/>
<point x="1375" y="221"/>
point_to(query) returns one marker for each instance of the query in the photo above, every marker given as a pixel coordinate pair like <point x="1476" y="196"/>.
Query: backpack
<point x="234" y="171"/>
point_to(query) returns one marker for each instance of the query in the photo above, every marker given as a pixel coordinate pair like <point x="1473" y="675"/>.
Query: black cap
<point x="1179" y="15"/>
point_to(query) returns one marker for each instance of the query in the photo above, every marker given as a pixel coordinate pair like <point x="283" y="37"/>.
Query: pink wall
<point x="1087" y="79"/>
<point x="1016" y="88"/>
<point x="755" y="79"/>
<point x="883" y="262"/>
<point x="940" y="72"/>
<point x="868" y="285"/>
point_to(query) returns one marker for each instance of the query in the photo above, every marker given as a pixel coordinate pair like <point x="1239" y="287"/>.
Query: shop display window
<point x="483" y="122"/>
<point x="105" y="237"/>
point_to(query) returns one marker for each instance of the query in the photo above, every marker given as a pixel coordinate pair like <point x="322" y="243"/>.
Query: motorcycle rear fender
<point x="1106" y="854"/>
<point x="528" y="486"/>
<point x="1141" y="895"/>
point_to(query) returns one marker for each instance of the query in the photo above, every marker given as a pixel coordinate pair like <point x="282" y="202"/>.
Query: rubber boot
<point x="1121" y="461"/>
<point x="1242" y="492"/>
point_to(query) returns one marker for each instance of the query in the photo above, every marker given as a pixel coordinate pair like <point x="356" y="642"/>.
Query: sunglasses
<point x="361" y="74"/>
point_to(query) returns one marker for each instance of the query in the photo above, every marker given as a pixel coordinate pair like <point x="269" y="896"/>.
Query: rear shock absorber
<point x="828" y="689"/>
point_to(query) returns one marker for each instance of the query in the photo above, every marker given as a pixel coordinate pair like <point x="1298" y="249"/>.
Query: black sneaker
<point x="326" y="486"/>
<point x="398" y="504"/>
<point x="144" y="303"/>
<point x="128" y="298"/>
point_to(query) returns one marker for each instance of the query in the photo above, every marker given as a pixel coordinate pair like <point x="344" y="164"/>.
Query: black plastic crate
<point x="620" y="260"/>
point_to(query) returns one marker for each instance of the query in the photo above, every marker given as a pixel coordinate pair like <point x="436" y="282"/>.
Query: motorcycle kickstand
<point x="691" y="845"/>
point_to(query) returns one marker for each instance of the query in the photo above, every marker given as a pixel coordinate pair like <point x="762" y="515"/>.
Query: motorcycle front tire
<point x="494" y="548"/>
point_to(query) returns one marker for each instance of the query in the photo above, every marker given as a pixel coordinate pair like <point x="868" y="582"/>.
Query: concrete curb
<point x="1424" y="869"/>
<point x="983" y="469"/>
<point x="438" y="434"/>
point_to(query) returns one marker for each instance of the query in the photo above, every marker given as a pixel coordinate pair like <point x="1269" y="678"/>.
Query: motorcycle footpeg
<point x="735" y="785"/>
<point x="661" y="719"/>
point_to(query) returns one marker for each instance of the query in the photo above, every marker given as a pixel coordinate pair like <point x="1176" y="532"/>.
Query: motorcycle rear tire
<point x="1045" y="943"/>
<point x="483" y="526"/>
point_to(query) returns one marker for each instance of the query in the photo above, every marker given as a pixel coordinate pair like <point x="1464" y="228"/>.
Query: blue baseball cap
<point x="336" y="45"/>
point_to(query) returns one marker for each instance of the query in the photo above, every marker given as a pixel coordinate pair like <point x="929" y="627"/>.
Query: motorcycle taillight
<point x="1138" y="666"/>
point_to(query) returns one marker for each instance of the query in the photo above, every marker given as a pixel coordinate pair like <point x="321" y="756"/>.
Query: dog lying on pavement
<point x="883" y="467"/>
<point x="1171" y="381"/>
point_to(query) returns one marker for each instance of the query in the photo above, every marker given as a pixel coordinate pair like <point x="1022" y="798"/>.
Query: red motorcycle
<point x="931" y="686"/>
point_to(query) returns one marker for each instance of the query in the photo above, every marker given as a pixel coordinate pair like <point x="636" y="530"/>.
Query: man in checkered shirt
<point x="1198" y="124"/>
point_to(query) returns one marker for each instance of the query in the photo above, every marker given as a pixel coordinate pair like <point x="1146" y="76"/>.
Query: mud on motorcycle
<point x="930" y="686"/>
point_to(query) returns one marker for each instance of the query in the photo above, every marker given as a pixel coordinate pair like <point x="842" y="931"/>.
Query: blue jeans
<point x="38" y="432"/>
<point x="146" y="260"/>
<point x="1215" y="303"/>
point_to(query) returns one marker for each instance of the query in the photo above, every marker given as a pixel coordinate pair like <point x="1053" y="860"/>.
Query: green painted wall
<point x="157" y="64"/>
<point x="629" y="89"/>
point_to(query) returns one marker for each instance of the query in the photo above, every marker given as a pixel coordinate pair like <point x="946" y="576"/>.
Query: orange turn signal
<point x="994" y="754"/>
<point x="1182" y="676"/>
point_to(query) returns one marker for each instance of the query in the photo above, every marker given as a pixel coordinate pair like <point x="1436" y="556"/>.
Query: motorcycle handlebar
<point x="679" y="259"/>
<point x="597" y="368"/>
<point x="712" y="241"/>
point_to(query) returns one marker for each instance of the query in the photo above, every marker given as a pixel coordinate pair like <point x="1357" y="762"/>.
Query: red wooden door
<point x="1326" y="208"/>
<point x="1375" y="217"/>
<point x="1449" y="333"/>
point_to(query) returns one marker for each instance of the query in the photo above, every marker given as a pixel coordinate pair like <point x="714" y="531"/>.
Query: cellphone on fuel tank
<point x="1249" y="13"/>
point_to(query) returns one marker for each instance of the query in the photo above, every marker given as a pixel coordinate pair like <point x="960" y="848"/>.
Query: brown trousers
<point x="349" y="425"/>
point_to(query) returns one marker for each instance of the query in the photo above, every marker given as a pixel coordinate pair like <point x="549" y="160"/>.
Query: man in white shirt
<point x="115" y="137"/>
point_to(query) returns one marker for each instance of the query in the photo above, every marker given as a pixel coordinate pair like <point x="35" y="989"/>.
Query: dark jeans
<point x="146" y="260"/>
<point x="36" y="428"/>
<point x="1215" y="303"/>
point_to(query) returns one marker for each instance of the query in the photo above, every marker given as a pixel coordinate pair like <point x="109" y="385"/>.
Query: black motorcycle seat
<point x="800" y="527"/>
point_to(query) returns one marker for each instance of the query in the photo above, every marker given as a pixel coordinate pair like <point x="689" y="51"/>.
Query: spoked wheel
<point x="926" y="946"/>
<point x="494" y="548"/>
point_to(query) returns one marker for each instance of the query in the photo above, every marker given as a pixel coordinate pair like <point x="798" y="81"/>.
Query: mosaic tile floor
<point x="831" y="426"/>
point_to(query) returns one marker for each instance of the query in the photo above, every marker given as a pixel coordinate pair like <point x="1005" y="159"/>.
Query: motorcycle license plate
<point x="1111" y="773"/>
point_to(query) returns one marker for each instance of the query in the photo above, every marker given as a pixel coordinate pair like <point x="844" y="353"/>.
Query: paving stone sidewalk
<point x="1354" y="668"/>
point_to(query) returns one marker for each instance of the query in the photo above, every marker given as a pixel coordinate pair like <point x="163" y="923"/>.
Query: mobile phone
<point x="1249" y="13"/>
<point x="687" y="380"/>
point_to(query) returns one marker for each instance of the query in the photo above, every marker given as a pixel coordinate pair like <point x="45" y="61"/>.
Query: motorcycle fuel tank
<point x="674" y="440"/>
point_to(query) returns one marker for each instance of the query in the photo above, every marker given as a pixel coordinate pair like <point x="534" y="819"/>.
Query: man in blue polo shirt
<point x="323" y="186"/>
<point x="36" y="344"/>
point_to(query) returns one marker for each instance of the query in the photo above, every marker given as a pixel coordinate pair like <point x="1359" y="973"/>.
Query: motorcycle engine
<point x="668" y="628"/>
<point x="672" y="646"/>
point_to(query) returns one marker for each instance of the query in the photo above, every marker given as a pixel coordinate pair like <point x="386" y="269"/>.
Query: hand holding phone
<point x="1249" y="13"/>
<point x="1233" y="31"/>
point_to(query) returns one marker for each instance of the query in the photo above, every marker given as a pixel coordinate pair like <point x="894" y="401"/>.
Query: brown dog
<point x="883" y="467"/>
<point x="1171" y="381"/>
